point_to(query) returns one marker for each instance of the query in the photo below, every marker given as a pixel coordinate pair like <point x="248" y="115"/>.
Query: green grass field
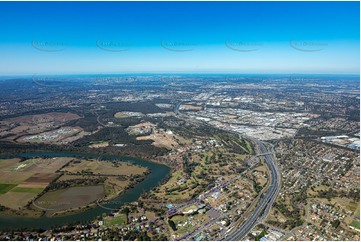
<point x="4" y="188"/>
<point x="27" y="189"/>
<point x="192" y="222"/>
<point x="357" y="212"/>
<point x="249" y="147"/>
<point x="181" y="230"/>
<point x="119" y="220"/>
<point x="355" y="224"/>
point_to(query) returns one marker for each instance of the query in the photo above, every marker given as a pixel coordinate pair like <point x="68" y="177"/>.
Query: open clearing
<point x="62" y="135"/>
<point x="16" y="200"/>
<point x="27" y="189"/>
<point x="69" y="198"/>
<point x="6" y="163"/>
<point x="118" y="220"/>
<point x="260" y="174"/>
<point x="100" y="144"/>
<point x="114" y="186"/>
<point x="161" y="138"/>
<point x="126" y="114"/>
<point x="190" y="107"/>
<point x="186" y="224"/>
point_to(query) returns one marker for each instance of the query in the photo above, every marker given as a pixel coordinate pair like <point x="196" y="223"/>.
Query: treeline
<point x="88" y="181"/>
<point x="293" y="217"/>
<point x="147" y="151"/>
<point x="353" y="194"/>
<point x="114" y="134"/>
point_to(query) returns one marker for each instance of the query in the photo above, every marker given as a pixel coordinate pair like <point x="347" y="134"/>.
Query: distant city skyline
<point x="179" y="37"/>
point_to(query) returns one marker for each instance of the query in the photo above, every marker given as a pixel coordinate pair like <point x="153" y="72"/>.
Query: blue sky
<point x="177" y="37"/>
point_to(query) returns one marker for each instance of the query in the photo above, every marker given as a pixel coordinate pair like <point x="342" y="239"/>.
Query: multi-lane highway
<point x="266" y="200"/>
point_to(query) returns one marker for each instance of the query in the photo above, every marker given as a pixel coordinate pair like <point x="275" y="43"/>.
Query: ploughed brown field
<point x="64" y="199"/>
<point x="41" y="178"/>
